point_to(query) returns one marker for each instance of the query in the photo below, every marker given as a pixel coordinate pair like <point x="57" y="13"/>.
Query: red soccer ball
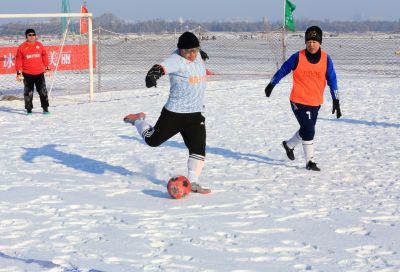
<point x="178" y="187"/>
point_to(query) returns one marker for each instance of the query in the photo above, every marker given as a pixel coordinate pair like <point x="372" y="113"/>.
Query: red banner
<point x="72" y="57"/>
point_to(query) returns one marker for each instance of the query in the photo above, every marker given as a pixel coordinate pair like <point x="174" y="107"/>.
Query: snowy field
<point x="79" y="190"/>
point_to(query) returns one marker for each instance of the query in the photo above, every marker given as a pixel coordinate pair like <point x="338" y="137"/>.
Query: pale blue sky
<point x="218" y="10"/>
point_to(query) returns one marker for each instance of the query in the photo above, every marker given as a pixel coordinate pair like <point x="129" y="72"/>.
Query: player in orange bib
<point x="312" y="70"/>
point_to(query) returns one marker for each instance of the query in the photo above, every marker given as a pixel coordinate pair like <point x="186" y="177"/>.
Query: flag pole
<point x="284" y="33"/>
<point x="284" y="13"/>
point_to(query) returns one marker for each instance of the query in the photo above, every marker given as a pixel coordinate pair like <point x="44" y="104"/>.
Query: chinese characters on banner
<point x="73" y="57"/>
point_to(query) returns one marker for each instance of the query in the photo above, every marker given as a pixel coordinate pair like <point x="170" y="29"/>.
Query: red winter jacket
<point x="31" y="58"/>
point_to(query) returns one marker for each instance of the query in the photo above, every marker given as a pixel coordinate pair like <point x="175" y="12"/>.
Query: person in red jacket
<point x="31" y="64"/>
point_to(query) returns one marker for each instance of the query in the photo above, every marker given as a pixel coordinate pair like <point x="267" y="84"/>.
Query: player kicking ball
<point x="182" y="112"/>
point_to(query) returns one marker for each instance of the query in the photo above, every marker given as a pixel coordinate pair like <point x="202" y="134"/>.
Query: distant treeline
<point x="111" y="22"/>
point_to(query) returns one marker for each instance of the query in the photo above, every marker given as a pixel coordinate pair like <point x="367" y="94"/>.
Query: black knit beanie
<point x="29" y="30"/>
<point x="314" y="33"/>
<point x="188" y="40"/>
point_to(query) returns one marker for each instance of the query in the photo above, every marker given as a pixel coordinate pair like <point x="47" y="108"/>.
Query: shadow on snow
<point x="11" y="110"/>
<point x="73" y="161"/>
<point x="217" y="151"/>
<point x="363" y="122"/>
<point x="44" y="264"/>
<point x="92" y="166"/>
<point x="157" y="193"/>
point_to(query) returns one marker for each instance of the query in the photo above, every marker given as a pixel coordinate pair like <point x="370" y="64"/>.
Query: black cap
<point x="29" y="30"/>
<point x="188" y="40"/>
<point x="314" y="33"/>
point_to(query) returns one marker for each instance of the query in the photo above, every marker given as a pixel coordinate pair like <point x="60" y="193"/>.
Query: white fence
<point x="122" y="60"/>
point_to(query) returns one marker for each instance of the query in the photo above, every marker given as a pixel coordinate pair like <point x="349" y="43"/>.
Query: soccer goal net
<point x="67" y="38"/>
<point x="357" y="54"/>
<point x="123" y="59"/>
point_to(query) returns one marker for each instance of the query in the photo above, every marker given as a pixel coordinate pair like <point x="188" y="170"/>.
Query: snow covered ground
<point x="79" y="191"/>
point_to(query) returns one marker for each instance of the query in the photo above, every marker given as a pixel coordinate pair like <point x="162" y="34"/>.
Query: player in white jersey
<point x="182" y="112"/>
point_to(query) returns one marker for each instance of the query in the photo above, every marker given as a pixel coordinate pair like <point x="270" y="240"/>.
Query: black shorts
<point x="190" y="125"/>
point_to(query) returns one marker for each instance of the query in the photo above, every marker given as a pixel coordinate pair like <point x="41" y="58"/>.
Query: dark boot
<point x="312" y="166"/>
<point x="289" y="151"/>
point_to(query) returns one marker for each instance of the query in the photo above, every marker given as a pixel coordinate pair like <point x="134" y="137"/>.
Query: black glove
<point x="268" y="89"/>
<point x="153" y="75"/>
<point x="336" y="107"/>
<point x="204" y="55"/>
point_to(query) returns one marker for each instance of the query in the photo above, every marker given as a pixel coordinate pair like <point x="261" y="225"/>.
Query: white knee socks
<point x="308" y="147"/>
<point x="143" y="128"/>
<point x="195" y="165"/>
<point x="295" y="140"/>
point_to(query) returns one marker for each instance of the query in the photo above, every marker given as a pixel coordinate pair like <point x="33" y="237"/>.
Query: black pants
<point x="29" y="82"/>
<point x="190" y="125"/>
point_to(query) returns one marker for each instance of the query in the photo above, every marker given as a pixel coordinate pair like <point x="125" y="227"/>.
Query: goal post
<point x="90" y="51"/>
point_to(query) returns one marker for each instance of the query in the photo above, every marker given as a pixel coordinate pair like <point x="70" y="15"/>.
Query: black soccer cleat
<point x="289" y="151"/>
<point x="312" y="166"/>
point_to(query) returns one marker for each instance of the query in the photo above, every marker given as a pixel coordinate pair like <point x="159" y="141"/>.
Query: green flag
<point x="289" y="20"/>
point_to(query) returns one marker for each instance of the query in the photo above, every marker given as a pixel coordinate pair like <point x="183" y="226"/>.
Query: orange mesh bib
<point x="309" y="80"/>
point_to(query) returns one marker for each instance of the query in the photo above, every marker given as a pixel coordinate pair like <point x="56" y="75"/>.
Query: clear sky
<point x="218" y="10"/>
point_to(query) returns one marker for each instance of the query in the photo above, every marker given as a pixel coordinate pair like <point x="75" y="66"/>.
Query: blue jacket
<point x="291" y="64"/>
